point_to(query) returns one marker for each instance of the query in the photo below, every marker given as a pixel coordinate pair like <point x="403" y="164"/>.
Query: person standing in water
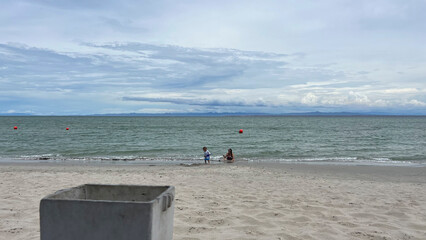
<point x="229" y="156"/>
<point x="206" y="155"/>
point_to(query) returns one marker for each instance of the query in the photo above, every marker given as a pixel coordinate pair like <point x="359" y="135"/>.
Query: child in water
<point x="206" y="155"/>
<point x="229" y="157"/>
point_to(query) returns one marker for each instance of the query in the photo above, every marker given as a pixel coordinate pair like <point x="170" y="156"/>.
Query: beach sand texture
<point x="242" y="201"/>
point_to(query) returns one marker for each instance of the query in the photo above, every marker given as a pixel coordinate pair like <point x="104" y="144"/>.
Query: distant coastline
<point x="213" y="114"/>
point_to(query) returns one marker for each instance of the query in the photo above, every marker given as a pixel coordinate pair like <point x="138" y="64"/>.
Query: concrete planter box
<point x="108" y="212"/>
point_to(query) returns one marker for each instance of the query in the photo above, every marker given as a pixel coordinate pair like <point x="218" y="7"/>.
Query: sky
<point x="224" y="56"/>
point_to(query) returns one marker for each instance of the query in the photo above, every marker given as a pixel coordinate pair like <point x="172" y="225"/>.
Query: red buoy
<point x="241" y="131"/>
<point x="15" y="127"/>
<point x="67" y="129"/>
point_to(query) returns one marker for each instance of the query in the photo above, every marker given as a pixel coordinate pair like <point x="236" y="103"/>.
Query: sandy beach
<point x="242" y="201"/>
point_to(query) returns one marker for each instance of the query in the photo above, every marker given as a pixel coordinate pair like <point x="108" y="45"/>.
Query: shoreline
<point x="166" y="162"/>
<point x="243" y="200"/>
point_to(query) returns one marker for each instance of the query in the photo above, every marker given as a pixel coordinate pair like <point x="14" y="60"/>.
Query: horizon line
<point x="316" y="113"/>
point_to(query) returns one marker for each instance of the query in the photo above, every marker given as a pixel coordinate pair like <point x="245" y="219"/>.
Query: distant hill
<point x="16" y="114"/>
<point x="207" y="114"/>
<point x="232" y="114"/>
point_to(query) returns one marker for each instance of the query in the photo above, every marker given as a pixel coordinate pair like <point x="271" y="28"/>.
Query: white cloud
<point x="171" y="77"/>
<point x="260" y="55"/>
<point x="310" y="99"/>
<point x="357" y="98"/>
<point x="417" y="103"/>
<point x="401" y="90"/>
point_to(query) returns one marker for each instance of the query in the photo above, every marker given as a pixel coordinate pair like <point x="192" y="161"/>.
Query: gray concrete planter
<point x="108" y="212"/>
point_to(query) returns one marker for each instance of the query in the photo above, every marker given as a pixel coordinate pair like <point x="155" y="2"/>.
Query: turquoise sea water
<point x="358" y="139"/>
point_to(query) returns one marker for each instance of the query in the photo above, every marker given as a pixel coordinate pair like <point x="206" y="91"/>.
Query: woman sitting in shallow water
<point x="229" y="157"/>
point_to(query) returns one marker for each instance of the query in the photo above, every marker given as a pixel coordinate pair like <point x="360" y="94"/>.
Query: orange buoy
<point x="241" y="131"/>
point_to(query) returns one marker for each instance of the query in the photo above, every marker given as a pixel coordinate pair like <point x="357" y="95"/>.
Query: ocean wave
<point x="197" y="159"/>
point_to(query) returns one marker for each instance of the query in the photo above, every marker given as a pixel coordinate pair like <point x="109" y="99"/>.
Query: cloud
<point x="310" y="99"/>
<point x="141" y="77"/>
<point x="417" y="103"/>
<point x="199" y="101"/>
<point x="118" y="70"/>
<point x="401" y="90"/>
<point x="167" y="67"/>
<point x="278" y="56"/>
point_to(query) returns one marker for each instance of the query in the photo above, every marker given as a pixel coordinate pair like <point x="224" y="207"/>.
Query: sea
<point x="376" y="140"/>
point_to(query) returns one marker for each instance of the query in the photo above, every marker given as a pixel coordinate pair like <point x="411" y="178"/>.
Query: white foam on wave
<point x="194" y="159"/>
